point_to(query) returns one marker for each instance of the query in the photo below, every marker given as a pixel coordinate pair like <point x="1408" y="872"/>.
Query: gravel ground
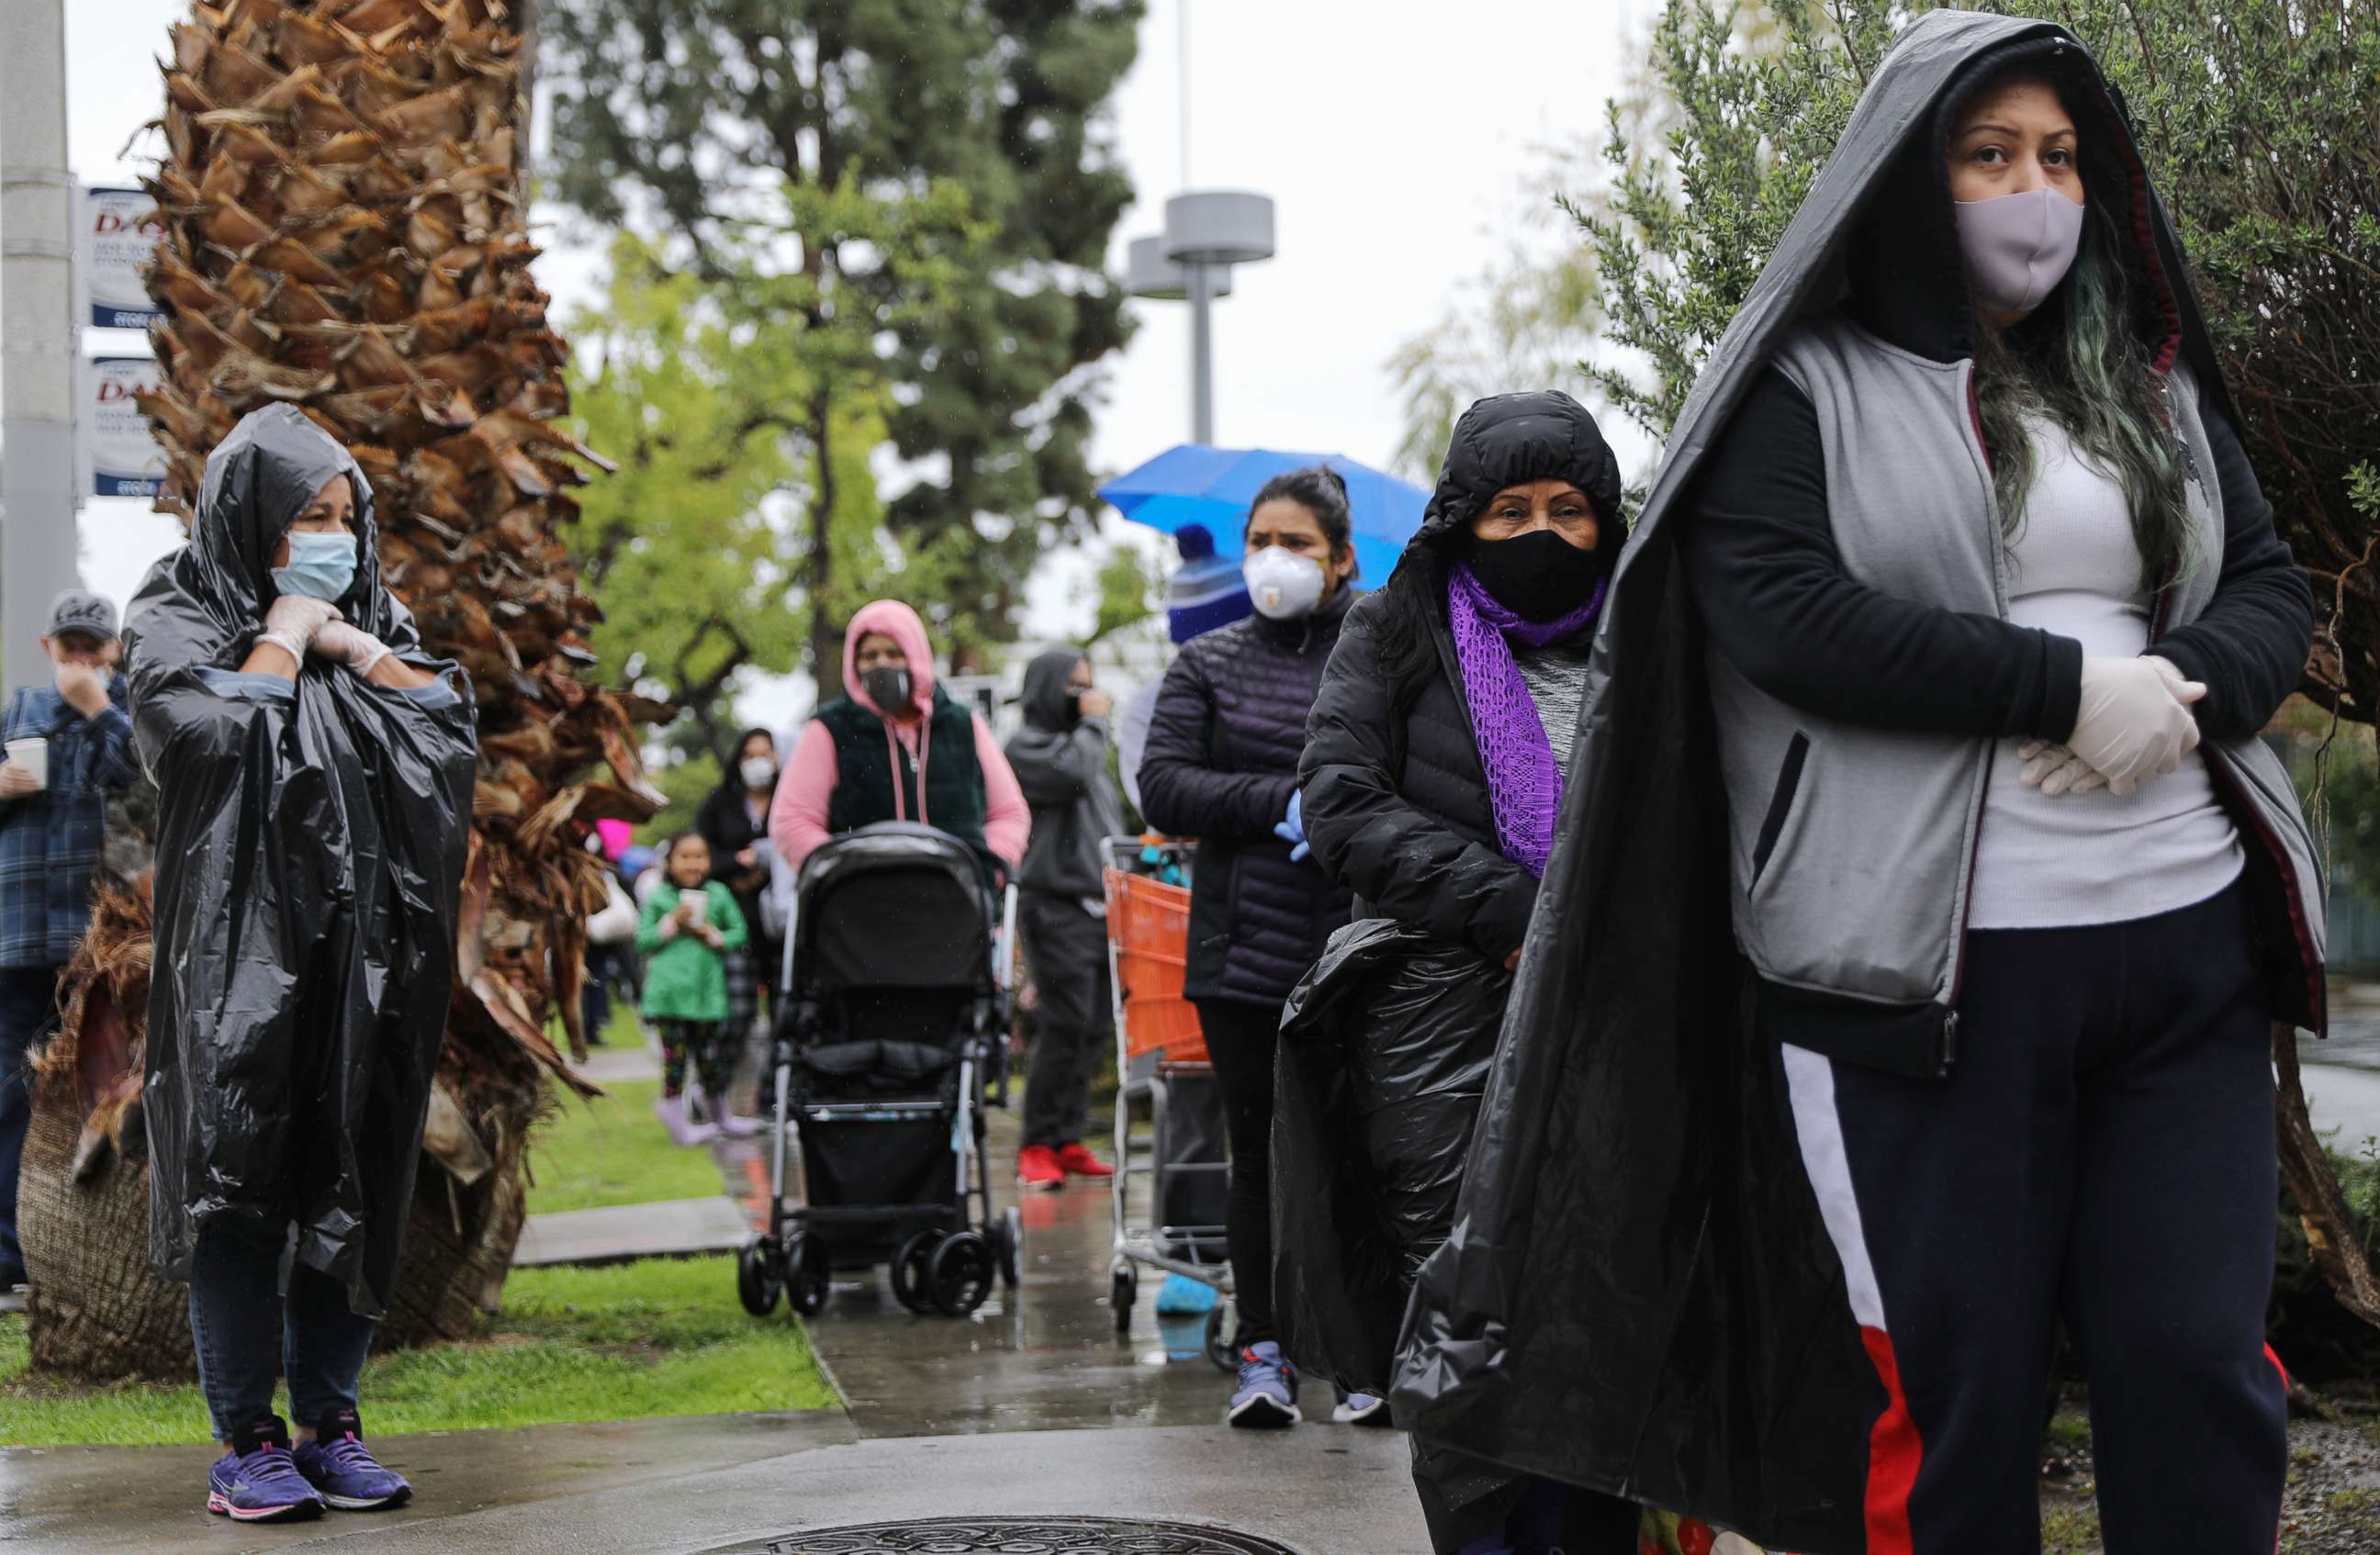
<point x="2332" y="1506"/>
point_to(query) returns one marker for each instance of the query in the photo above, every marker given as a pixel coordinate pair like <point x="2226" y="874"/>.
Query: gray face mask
<point x="2018" y="248"/>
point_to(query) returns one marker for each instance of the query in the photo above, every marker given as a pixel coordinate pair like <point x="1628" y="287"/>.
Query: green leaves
<point x="905" y="207"/>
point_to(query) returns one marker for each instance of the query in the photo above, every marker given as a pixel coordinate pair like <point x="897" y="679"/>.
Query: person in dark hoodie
<point x="1222" y="767"/>
<point x="1435" y="760"/>
<point x="1060" y="761"/>
<point x="1968" y="766"/>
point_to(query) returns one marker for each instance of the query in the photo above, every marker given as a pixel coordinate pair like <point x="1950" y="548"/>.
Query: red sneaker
<point x="1078" y="1162"/>
<point x="1037" y="1168"/>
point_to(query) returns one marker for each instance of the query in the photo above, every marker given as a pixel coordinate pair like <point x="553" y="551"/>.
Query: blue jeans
<point x="29" y="1008"/>
<point x="247" y="1336"/>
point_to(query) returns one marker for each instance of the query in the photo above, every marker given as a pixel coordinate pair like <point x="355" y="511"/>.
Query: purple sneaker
<point x="258" y="1481"/>
<point x="1267" y="1395"/>
<point x="337" y="1463"/>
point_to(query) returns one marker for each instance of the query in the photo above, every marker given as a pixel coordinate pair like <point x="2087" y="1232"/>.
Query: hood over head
<point x="1506" y="440"/>
<point x="1905" y="277"/>
<point x="1048" y="679"/>
<point x="901" y="624"/>
<point x="257" y="481"/>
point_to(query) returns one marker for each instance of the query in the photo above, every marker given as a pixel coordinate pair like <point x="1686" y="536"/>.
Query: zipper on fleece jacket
<point x="1945" y="1054"/>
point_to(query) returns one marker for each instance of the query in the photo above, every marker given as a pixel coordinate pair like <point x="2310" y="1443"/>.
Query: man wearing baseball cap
<point x="69" y="744"/>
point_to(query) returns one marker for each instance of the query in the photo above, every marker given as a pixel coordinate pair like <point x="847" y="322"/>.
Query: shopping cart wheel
<point x="961" y="1274"/>
<point x="912" y="1285"/>
<point x="1007" y="1244"/>
<point x="758" y="1282"/>
<point x="1219" y="1343"/>
<point x="811" y="1281"/>
<point x="1121" y="1287"/>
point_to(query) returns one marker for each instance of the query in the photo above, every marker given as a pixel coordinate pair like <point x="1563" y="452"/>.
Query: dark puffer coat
<point x="1396" y="800"/>
<point x="1220" y="764"/>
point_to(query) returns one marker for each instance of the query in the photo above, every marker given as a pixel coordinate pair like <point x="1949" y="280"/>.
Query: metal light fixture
<point x="1206" y="233"/>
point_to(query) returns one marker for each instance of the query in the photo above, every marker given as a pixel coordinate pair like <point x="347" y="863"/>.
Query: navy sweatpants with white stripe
<point x="2103" y="1150"/>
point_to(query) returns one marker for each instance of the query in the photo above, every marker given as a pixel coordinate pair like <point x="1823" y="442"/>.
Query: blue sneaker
<point x="258" y="1481"/>
<point x="1267" y="1397"/>
<point x="337" y="1463"/>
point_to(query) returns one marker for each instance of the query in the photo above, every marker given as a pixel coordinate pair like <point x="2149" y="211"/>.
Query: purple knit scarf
<point x="1524" y="788"/>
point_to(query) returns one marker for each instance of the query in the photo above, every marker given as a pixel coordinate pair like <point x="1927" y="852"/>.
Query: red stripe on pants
<point x="1893" y="1454"/>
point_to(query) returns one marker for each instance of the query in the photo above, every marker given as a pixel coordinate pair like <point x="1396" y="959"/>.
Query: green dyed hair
<point x="2091" y="373"/>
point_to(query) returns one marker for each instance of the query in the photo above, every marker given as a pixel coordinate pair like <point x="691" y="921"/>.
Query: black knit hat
<point x="1508" y="439"/>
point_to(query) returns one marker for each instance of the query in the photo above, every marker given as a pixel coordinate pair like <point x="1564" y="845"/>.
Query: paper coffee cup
<point x="32" y="755"/>
<point x="695" y="898"/>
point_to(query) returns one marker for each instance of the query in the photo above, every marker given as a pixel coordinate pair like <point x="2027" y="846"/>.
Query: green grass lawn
<point x="611" y="1151"/>
<point x="622" y="1343"/>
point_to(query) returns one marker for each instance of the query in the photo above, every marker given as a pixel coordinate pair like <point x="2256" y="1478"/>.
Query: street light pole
<point x="39" y="337"/>
<point x="1201" y="279"/>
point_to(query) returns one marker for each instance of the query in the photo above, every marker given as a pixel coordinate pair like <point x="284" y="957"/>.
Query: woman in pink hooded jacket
<point x="895" y="747"/>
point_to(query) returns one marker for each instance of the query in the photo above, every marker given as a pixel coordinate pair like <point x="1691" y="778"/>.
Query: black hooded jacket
<point x="1396" y="798"/>
<point x="310" y="846"/>
<point x="1639" y="1295"/>
<point x="1220" y="764"/>
<point x="1061" y="762"/>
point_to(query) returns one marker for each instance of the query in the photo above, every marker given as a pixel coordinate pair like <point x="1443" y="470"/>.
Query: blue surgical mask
<point x="320" y="566"/>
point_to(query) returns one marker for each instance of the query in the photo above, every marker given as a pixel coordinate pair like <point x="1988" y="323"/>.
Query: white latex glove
<point x="293" y="621"/>
<point x="2056" y="769"/>
<point x="2134" y="722"/>
<point x="352" y="645"/>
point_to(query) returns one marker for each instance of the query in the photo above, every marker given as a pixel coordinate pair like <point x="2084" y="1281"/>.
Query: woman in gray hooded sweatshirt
<point x="1900" y="977"/>
<point x="1998" y="612"/>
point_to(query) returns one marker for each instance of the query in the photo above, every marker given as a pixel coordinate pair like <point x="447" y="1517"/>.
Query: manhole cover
<point x="1016" y="1535"/>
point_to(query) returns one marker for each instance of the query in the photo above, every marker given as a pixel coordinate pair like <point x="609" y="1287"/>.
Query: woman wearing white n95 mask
<point x="1221" y="766"/>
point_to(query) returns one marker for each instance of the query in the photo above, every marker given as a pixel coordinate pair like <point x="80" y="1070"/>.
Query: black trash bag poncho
<point x="309" y="857"/>
<point x="1384" y="1055"/>
<point x="1639" y="1295"/>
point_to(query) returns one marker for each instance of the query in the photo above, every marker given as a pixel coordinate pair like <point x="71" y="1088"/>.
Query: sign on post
<point x="125" y="458"/>
<point x="121" y="229"/>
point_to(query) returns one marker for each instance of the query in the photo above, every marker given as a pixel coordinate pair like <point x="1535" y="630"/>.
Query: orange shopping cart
<point x="1158" y="1044"/>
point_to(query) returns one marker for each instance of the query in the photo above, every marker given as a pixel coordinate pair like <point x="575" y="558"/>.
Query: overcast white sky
<point x="1394" y="136"/>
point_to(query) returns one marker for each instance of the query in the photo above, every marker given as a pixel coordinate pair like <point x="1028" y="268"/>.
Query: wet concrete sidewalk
<point x="689" y="1486"/>
<point x="1034" y="1406"/>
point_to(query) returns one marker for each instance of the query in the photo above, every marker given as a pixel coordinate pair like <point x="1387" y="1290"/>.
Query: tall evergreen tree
<point x="926" y="190"/>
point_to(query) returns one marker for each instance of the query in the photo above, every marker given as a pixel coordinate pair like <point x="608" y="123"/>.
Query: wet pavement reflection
<point x="1040" y="1357"/>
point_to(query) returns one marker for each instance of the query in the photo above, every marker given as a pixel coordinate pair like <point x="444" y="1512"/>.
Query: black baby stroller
<point x="893" y="1035"/>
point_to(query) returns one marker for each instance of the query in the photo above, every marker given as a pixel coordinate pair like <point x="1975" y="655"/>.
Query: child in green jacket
<point x="689" y="927"/>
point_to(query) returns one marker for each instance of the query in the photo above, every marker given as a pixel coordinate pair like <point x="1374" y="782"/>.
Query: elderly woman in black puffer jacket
<point x="1221" y="766"/>
<point x="1434" y="768"/>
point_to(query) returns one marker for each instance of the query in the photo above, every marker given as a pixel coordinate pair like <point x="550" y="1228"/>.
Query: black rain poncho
<point x="1384" y="1053"/>
<point x="310" y="855"/>
<point x="1639" y="1295"/>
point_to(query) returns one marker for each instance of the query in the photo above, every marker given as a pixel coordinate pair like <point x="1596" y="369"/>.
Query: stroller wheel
<point x="1007" y="1242"/>
<point x="1122" y="1288"/>
<point x="1219" y="1343"/>
<point x="912" y="1271"/>
<point x="811" y="1280"/>
<point x="961" y="1274"/>
<point x="758" y="1282"/>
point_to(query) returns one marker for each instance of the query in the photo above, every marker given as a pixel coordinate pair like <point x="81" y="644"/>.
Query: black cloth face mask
<point x="888" y="689"/>
<point x="1538" y="576"/>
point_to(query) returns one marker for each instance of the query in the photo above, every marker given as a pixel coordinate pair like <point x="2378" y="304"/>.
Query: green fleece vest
<point x="865" y="775"/>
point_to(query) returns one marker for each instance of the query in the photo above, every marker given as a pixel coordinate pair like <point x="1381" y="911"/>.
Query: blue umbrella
<point x="1195" y="484"/>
